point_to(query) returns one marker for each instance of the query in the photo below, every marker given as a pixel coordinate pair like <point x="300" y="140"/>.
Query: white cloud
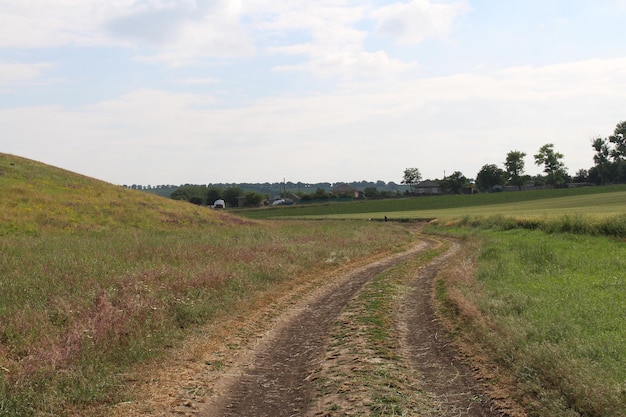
<point x="177" y="32"/>
<point x="362" y="131"/>
<point x="417" y="20"/>
<point x="331" y="41"/>
<point x="14" y="73"/>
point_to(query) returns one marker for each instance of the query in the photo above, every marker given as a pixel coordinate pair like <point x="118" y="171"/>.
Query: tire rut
<point x="275" y="384"/>
<point x="449" y="380"/>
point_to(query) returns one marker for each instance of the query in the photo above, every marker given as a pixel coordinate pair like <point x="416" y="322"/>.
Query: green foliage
<point x="597" y="200"/>
<point x="557" y="304"/>
<point x="231" y="196"/>
<point x="253" y="199"/>
<point x="553" y="165"/>
<point x="514" y="166"/>
<point x="454" y="183"/>
<point x="412" y="177"/>
<point x="490" y="176"/>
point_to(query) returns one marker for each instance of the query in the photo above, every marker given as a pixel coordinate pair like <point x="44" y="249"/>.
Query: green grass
<point x="600" y="201"/>
<point x="95" y="279"/>
<point x="556" y="303"/>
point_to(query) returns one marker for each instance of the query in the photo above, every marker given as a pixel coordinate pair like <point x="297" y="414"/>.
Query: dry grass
<point x="96" y="279"/>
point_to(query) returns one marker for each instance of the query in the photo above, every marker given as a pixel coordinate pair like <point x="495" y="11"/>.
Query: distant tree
<point x="371" y="192"/>
<point x="320" y="194"/>
<point x="412" y="177"/>
<point x="618" y="139"/>
<point x="213" y="194"/>
<point x="601" y="159"/>
<point x="253" y="199"/>
<point x="454" y="183"/>
<point x="231" y="196"/>
<point x="553" y="165"/>
<point x="582" y="175"/>
<point x="195" y="194"/>
<point x="489" y="176"/>
<point x="514" y="166"/>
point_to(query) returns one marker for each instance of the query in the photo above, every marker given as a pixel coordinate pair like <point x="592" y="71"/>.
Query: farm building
<point x="347" y="190"/>
<point x="428" y="187"/>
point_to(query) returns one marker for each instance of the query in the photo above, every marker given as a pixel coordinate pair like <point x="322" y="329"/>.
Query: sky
<point x="176" y="92"/>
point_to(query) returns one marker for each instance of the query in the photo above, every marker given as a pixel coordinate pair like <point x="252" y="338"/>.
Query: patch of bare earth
<point x="309" y="356"/>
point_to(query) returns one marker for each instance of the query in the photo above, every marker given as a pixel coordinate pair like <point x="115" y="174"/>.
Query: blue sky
<point x="206" y="91"/>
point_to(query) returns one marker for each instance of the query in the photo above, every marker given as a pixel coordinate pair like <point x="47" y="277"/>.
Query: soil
<point x="268" y="365"/>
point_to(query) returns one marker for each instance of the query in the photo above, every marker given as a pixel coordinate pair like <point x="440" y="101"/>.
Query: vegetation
<point x="548" y="308"/>
<point x="600" y="201"/>
<point x="96" y="278"/>
<point x="412" y="177"/>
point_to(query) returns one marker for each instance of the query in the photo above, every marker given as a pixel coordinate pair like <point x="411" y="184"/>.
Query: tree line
<point x="609" y="167"/>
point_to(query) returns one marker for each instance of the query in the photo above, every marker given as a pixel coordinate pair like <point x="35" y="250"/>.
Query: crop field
<point x="596" y="201"/>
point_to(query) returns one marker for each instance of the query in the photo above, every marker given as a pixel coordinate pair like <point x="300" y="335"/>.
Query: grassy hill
<point x="95" y="278"/>
<point x="37" y="197"/>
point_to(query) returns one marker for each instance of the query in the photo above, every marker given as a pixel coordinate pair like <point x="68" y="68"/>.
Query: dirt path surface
<point x="451" y="382"/>
<point x="277" y="378"/>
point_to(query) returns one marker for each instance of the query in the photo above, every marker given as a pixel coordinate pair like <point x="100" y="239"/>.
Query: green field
<point x="96" y="278"/>
<point x="597" y="201"/>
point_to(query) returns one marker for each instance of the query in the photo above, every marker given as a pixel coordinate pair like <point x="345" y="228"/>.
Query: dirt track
<point x="276" y="379"/>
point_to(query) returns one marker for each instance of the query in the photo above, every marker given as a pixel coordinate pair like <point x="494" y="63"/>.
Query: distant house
<point x="347" y="190"/>
<point x="428" y="187"/>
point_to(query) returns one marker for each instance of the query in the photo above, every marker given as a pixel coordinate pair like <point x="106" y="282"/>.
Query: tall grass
<point x="569" y="223"/>
<point x="95" y="278"/>
<point x="550" y="309"/>
<point x="76" y="309"/>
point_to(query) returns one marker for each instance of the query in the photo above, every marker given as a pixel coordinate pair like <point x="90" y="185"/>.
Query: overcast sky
<point x="207" y="91"/>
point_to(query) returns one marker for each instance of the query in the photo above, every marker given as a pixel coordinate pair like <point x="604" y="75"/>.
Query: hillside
<point x="37" y="197"/>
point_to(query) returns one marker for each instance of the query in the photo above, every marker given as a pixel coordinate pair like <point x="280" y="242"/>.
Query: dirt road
<point x="278" y="377"/>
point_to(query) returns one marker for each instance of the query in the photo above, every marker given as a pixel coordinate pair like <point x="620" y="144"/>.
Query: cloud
<point x="14" y="73"/>
<point x="359" y="131"/>
<point x="417" y="20"/>
<point x="186" y="32"/>
<point x="174" y="32"/>
<point x="329" y="37"/>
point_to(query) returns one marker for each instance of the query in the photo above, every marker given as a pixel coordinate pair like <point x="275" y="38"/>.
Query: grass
<point x="549" y="308"/>
<point x="96" y="279"/>
<point x="599" y="201"/>
<point x="363" y="372"/>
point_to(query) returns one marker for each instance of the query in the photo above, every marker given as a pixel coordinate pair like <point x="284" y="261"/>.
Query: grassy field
<point x="546" y="304"/>
<point x="95" y="279"/>
<point x="597" y="201"/>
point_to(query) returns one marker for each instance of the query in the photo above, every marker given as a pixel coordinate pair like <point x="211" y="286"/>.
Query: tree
<point x="618" y="139"/>
<point x="582" y="175"/>
<point x="514" y="166"/>
<point x="412" y="177"/>
<point x="601" y="159"/>
<point x="552" y="165"/>
<point x="213" y="194"/>
<point x="371" y="192"/>
<point x="253" y="199"/>
<point x="489" y="176"/>
<point x="231" y="196"/>
<point x="454" y="183"/>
